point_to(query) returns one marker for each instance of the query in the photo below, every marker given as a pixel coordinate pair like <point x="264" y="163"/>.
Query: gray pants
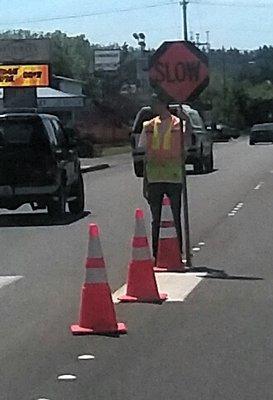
<point x="155" y="194"/>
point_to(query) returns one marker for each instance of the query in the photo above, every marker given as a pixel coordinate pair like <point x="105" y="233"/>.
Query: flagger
<point x="163" y="141"/>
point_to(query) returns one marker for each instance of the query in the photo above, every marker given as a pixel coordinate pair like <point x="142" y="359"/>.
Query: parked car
<point x="39" y="164"/>
<point x="223" y="133"/>
<point x="198" y="142"/>
<point x="261" y="133"/>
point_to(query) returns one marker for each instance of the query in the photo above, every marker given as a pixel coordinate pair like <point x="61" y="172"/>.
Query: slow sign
<point x="180" y="70"/>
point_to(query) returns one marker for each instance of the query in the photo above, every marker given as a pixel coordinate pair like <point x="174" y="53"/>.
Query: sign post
<point x="180" y="71"/>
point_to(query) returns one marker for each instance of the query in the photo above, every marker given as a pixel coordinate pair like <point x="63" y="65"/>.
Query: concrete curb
<point x="91" y="168"/>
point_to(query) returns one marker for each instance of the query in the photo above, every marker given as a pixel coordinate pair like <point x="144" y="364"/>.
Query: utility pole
<point x="184" y="4"/>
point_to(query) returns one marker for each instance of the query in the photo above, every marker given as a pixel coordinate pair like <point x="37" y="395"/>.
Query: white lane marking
<point x="231" y="214"/>
<point x="201" y="244"/>
<point x="7" y="280"/>
<point x="240" y="205"/>
<point x="86" y="357"/>
<point x="177" y="285"/>
<point x="196" y="249"/>
<point x="259" y="186"/>
<point x="66" y="377"/>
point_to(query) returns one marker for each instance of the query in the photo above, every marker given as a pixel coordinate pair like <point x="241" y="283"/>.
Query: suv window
<point x="50" y="131"/>
<point x="142" y="116"/>
<point x="147" y="115"/>
<point x="26" y="131"/>
<point x="59" y="132"/>
<point x="196" y="119"/>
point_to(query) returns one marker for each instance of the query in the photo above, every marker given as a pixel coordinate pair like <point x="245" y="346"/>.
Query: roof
<point x="48" y="92"/>
<point x="64" y="78"/>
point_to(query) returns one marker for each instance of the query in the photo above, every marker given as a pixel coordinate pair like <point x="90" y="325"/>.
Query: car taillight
<point x="193" y="140"/>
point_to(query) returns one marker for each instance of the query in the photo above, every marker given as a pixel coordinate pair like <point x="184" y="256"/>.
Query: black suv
<point x="39" y="164"/>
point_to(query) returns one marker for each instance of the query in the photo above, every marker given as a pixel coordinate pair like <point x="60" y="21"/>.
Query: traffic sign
<point x="179" y="70"/>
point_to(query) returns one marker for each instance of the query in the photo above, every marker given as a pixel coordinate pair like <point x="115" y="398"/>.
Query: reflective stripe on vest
<point x="167" y="138"/>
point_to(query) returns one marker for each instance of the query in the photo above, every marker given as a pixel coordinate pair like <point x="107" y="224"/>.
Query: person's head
<point x="159" y="104"/>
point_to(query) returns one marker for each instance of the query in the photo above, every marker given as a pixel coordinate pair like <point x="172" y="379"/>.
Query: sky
<point x="244" y="24"/>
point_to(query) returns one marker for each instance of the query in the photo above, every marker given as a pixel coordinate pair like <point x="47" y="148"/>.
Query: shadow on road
<point x="38" y="219"/>
<point x="220" y="274"/>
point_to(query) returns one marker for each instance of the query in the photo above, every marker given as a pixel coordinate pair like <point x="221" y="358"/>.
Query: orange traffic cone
<point x="97" y="313"/>
<point x="168" y="255"/>
<point x="141" y="283"/>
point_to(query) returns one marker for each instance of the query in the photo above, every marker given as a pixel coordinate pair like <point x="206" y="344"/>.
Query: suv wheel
<point x="77" y="206"/>
<point x="56" y="208"/>
<point x="138" y="168"/>
<point x="208" y="163"/>
<point x="198" y="166"/>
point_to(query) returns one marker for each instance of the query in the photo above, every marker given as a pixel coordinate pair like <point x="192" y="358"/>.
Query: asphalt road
<point x="217" y="344"/>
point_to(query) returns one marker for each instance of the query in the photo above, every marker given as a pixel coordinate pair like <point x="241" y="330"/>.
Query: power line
<point x="93" y="14"/>
<point x="233" y="4"/>
<point x="137" y="8"/>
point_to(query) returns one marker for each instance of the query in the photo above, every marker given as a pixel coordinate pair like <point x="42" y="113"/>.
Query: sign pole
<point x="186" y="220"/>
<point x="186" y="203"/>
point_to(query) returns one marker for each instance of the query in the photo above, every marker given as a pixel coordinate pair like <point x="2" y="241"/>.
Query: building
<point x="64" y="99"/>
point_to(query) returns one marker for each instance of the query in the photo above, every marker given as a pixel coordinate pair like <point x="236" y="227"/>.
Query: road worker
<point x="162" y="139"/>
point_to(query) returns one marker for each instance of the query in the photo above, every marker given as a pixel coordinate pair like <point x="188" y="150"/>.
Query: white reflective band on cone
<point x="167" y="233"/>
<point x="96" y="275"/>
<point x="94" y="248"/>
<point x="141" y="253"/>
<point x="166" y="214"/>
<point x="140" y="230"/>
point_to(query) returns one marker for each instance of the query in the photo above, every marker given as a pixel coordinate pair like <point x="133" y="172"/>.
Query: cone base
<point x="131" y="299"/>
<point x="168" y="269"/>
<point x="78" y="330"/>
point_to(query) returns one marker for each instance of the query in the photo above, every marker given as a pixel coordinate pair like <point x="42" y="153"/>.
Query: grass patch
<point x="111" y="151"/>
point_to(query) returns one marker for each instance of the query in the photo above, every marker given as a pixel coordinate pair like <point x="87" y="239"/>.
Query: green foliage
<point x="240" y="90"/>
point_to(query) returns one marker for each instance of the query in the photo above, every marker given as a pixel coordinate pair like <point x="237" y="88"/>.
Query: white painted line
<point x="66" y="377"/>
<point x="240" y="205"/>
<point x="196" y="249"/>
<point x="231" y="214"/>
<point x="177" y="285"/>
<point x="259" y="186"/>
<point x="86" y="357"/>
<point x="42" y="398"/>
<point x="7" y="280"/>
<point x="201" y="244"/>
<point x="118" y="293"/>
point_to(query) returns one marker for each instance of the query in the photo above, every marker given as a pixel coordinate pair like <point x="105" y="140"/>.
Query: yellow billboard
<point x="24" y="75"/>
